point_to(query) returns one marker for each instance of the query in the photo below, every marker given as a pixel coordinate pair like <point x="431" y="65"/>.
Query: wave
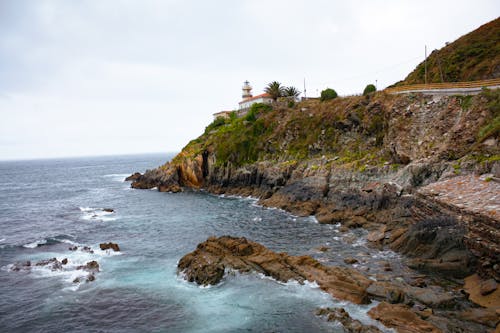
<point x="118" y="177"/>
<point x="97" y="214"/>
<point x="50" y="241"/>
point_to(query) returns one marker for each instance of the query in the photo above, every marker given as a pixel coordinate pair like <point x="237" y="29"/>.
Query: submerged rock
<point x="207" y="264"/>
<point x="350" y="260"/>
<point x="91" y="266"/>
<point x="21" y="266"/>
<point x="53" y="264"/>
<point x="112" y="246"/>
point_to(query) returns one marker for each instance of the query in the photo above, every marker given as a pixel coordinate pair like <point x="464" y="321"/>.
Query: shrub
<point x="369" y="89"/>
<point x="218" y="122"/>
<point x="328" y="94"/>
<point x="255" y="110"/>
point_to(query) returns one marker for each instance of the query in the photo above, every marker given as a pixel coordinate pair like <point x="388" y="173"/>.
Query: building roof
<point x="264" y="95"/>
<point x="222" y="112"/>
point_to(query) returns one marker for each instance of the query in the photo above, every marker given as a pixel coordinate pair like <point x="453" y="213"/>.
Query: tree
<point x="328" y="94"/>
<point x="275" y="89"/>
<point x="369" y="89"/>
<point x="291" y="92"/>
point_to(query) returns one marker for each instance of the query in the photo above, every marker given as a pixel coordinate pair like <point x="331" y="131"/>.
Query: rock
<point x="73" y="248"/>
<point x="350" y="325"/>
<point x="16" y="267"/>
<point x="53" y="263"/>
<point x="90" y="277"/>
<point x="106" y="246"/>
<point x="437" y="246"/>
<point x="134" y="176"/>
<point x="109" y="210"/>
<point x="91" y="266"/>
<point x="386" y="266"/>
<point x="350" y="260"/>
<point x="64" y="261"/>
<point x="487" y="287"/>
<point x="173" y="188"/>
<point x="206" y="265"/>
<point x="87" y="249"/>
<point x="401" y="318"/>
<point x="473" y="288"/>
<point x="431" y="297"/>
<point x="323" y="248"/>
<point x="483" y="316"/>
<point x="76" y="280"/>
<point x="377" y="235"/>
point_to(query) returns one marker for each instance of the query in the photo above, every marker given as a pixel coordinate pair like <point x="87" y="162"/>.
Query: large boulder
<point x="206" y="265"/>
<point x="436" y="245"/>
<point x="107" y="246"/>
<point x="401" y="318"/>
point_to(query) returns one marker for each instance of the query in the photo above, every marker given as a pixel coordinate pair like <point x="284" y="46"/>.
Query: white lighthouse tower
<point x="247" y="90"/>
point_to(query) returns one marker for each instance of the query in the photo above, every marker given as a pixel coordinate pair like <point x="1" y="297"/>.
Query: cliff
<point x="358" y="160"/>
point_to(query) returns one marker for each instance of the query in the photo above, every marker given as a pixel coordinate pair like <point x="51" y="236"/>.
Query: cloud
<point x="103" y="77"/>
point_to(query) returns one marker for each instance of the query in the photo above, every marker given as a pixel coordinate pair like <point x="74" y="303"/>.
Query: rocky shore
<point x="428" y="188"/>
<point x="402" y="306"/>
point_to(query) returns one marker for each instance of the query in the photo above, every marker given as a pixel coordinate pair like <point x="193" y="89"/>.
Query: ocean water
<point x="47" y="206"/>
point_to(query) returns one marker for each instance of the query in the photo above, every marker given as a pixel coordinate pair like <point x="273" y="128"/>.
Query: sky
<point x="88" y="78"/>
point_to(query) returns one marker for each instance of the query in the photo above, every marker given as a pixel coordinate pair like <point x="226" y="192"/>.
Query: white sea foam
<point x="97" y="214"/>
<point x="3" y="239"/>
<point x="119" y="177"/>
<point x="35" y="244"/>
<point x="257" y="219"/>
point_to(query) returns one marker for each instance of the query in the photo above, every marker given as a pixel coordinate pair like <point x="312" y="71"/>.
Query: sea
<point x="49" y="207"/>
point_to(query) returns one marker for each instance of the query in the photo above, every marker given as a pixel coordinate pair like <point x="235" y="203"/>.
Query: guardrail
<point x="445" y="85"/>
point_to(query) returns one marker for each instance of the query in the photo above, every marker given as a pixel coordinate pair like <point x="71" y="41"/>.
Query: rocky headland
<point x="420" y="172"/>
<point x="424" y="183"/>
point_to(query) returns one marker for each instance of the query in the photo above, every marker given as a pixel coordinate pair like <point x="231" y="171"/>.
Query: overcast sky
<point x="84" y="78"/>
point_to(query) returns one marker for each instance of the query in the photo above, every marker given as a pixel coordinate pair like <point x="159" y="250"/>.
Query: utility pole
<point x="305" y="94"/>
<point x="376" y="87"/>
<point x="425" y="65"/>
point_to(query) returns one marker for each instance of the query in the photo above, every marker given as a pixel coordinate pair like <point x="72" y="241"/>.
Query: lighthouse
<point x="247" y="90"/>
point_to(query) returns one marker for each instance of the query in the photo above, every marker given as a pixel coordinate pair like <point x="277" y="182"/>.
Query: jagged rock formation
<point x="207" y="264"/>
<point x="404" y="307"/>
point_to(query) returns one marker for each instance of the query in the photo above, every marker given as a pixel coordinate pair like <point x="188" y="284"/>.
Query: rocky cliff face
<point x="358" y="161"/>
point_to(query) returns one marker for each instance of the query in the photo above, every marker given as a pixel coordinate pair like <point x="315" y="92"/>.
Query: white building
<point x="246" y="103"/>
<point x="248" y="99"/>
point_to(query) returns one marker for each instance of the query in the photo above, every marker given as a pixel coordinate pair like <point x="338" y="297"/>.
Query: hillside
<point x="474" y="56"/>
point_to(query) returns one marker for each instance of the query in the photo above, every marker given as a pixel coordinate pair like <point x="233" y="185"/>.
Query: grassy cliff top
<point x="356" y="131"/>
<point x="474" y="56"/>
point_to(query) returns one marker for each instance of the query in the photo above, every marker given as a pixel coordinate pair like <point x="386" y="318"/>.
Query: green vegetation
<point x="369" y="89"/>
<point x="474" y="56"/>
<point x="328" y="94"/>
<point x="275" y="89"/>
<point x="218" y="122"/>
<point x="492" y="127"/>
<point x="291" y="92"/>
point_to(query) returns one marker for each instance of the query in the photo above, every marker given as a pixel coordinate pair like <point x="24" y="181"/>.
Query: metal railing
<point x="445" y="85"/>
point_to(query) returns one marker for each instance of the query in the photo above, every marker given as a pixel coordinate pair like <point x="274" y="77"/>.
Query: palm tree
<point x="275" y="89"/>
<point x="291" y="92"/>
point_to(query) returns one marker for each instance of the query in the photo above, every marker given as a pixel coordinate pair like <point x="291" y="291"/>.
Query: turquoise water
<point x="46" y="206"/>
